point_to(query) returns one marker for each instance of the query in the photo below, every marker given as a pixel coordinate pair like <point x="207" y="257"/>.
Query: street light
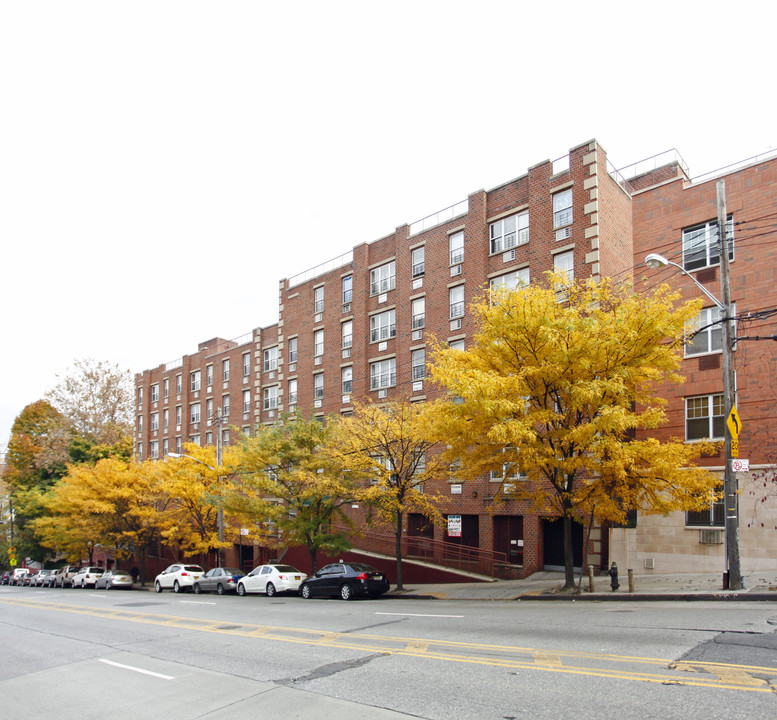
<point x="655" y="261"/>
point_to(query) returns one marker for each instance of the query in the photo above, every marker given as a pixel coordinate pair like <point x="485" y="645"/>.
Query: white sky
<point x="164" y="164"/>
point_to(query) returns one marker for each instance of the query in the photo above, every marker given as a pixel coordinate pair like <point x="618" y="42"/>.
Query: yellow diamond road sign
<point x="733" y="422"/>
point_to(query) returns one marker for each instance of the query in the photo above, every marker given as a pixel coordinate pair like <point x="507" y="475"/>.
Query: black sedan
<point x="220" y="580"/>
<point x="345" y="580"/>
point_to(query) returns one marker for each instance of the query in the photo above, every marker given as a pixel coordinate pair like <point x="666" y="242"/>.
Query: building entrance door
<point x="508" y="537"/>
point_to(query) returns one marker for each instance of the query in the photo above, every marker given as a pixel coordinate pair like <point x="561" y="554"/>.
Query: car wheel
<point x="241" y="590"/>
<point x="157" y="586"/>
<point x="197" y="589"/>
<point x="270" y="589"/>
<point x="176" y="587"/>
<point x="305" y="591"/>
<point x="345" y="592"/>
<point x="219" y="589"/>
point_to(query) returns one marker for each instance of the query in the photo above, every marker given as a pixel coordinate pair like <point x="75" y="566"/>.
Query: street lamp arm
<point x="179" y="455"/>
<point x="654" y="261"/>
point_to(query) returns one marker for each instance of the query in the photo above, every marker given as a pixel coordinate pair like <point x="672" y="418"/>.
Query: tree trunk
<point x="398" y="550"/>
<point x="569" y="565"/>
<point x="312" y="552"/>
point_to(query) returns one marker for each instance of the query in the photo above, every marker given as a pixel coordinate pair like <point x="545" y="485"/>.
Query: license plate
<point x="296" y="577"/>
<point x="379" y="577"/>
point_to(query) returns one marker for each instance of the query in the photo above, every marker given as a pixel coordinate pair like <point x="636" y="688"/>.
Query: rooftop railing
<point x="438" y="218"/>
<point x="321" y="269"/>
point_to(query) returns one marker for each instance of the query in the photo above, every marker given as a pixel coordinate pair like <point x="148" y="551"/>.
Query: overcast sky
<point x="164" y="164"/>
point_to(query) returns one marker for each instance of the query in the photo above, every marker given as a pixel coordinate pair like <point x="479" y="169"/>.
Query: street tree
<point x="557" y="385"/>
<point x="291" y="488"/>
<point x="389" y="452"/>
<point x="96" y="399"/>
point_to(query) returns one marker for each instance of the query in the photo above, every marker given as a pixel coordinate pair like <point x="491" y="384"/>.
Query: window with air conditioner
<point x="509" y="232"/>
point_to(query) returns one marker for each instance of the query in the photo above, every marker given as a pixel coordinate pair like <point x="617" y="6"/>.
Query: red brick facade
<point x="337" y="341"/>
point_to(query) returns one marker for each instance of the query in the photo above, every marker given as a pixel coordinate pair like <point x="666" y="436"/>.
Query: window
<point x="209" y="376"/>
<point x="195" y="380"/>
<point x="140" y="396"/>
<point x="195" y="413"/>
<point x="178" y="445"/>
<point x="713" y="516"/>
<point x="509" y="232"/>
<point x="140" y="423"/>
<point x="456" y="345"/>
<point x="701" y="244"/>
<point x="155" y="421"/>
<point x="225" y="370"/>
<point x="456" y="247"/>
<point x="383" y="374"/>
<point x="704" y="417"/>
<point x="383" y="278"/>
<point x="139" y="452"/>
<point x="246" y="364"/>
<point x="318" y="299"/>
<point x="225" y="437"/>
<point x="318" y="342"/>
<point x="209" y="438"/>
<point x="318" y="386"/>
<point x="383" y="326"/>
<point x="562" y="209"/>
<point x="209" y="408"/>
<point x="166" y="388"/>
<point x="417" y="261"/>
<point x="165" y="419"/>
<point x="165" y="446"/>
<point x="271" y="358"/>
<point x="564" y="265"/>
<point x="178" y="384"/>
<point x="292" y="393"/>
<point x="154" y="450"/>
<point x="705" y="335"/>
<point x="155" y="393"/>
<point x="347" y="332"/>
<point x="246" y="401"/>
<point x="513" y="280"/>
<point x="293" y="350"/>
<point x="270" y="398"/>
<point x="456" y="301"/>
<point x="347" y="379"/>
<point x="418" y="364"/>
<point x="225" y="406"/>
<point x="178" y="415"/>
<point x="347" y="289"/>
<point x="509" y="471"/>
<point x="418" y="313"/>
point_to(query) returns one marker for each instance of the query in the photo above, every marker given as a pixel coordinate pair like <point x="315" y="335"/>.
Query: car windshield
<point x="232" y="571"/>
<point x="287" y="568"/>
<point x="94" y="570"/>
<point x="193" y="568"/>
<point x="360" y="567"/>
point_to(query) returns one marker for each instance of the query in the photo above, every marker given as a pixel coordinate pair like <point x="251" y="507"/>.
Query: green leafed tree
<point x="557" y="387"/>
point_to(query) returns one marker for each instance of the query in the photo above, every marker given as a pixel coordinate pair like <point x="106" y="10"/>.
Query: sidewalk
<point x="547" y="586"/>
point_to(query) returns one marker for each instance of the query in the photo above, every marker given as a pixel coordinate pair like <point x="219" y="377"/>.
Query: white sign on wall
<point x="454" y="525"/>
<point x="740" y="465"/>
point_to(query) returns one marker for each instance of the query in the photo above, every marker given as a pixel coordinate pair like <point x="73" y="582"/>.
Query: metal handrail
<point x="439" y="552"/>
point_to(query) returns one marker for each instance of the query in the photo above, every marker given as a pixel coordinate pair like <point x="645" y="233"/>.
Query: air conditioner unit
<point x="418" y="334"/>
<point x="711" y="536"/>
<point x="346" y="353"/>
<point x="317" y="360"/>
<point x="650" y="563"/>
<point x="563" y="234"/>
<point x="317" y="403"/>
<point x="508" y="256"/>
<point x="455" y="270"/>
<point x="456" y="324"/>
<point x="382" y="394"/>
<point x="346" y="307"/>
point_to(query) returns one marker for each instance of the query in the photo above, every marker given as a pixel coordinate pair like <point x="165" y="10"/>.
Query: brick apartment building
<point x="357" y="328"/>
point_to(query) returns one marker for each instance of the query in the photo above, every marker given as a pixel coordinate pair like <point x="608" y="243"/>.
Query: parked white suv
<point x="178" y="577"/>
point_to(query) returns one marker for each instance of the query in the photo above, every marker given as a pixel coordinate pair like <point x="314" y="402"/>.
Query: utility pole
<point x="730" y="493"/>
<point x="220" y="510"/>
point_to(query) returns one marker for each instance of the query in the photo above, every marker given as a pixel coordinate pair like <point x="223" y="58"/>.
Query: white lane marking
<point x="196" y="602"/>
<point x="136" y="669"/>
<point x="419" y="615"/>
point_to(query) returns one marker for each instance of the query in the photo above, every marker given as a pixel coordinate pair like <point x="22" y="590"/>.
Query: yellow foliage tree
<point x="290" y="487"/>
<point x="112" y="503"/>
<point x="194" y="486"/>
<point x="556" y="386"/>
<point x="388" y="450"/>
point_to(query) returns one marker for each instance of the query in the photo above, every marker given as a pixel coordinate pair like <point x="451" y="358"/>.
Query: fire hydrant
<point x="613" y="573"/>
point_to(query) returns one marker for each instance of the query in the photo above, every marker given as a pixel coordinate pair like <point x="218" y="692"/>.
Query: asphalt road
<point x="84" y="654"/>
